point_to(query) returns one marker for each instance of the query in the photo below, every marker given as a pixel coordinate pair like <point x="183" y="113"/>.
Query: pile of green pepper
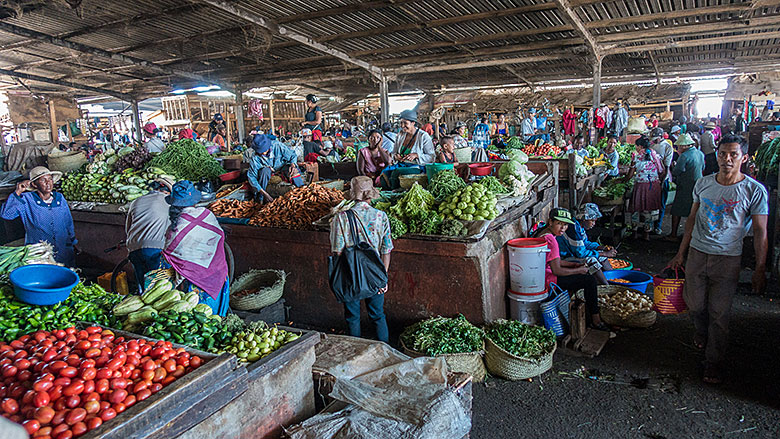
<point x="194" y="329"/>
<point x="85" y="303"/>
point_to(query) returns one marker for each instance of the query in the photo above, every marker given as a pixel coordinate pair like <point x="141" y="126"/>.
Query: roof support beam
<point x="277" y="29"/>
<point x="655" y="67"/>
<point x="78" y="47"/>
<point x="360" y="6"/>
<point x="425" y="68"/>
<point x="670" y="15"/>
<point x="623" y="38"/>
<point x="123" y="96"/>
<point x="695" y="43"/>
<point x="569" y="16"/>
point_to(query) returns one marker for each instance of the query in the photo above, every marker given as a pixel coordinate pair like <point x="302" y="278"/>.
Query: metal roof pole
<point x="137" y="121"/>
<point x="384" y="99"/>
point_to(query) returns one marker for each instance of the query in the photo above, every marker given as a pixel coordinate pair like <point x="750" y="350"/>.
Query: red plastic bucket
<point x="527" y="261"/>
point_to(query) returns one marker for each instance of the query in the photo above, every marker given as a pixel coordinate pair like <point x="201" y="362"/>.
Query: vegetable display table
<point x="428" y="275"/>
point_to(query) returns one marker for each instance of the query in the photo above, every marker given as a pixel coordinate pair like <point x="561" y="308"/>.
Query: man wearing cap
<point x="663" y="147"/>
<point x="313" y="117"/>
<point x="215" y="122"/>
<point x="271" y="156"/>
<point x="45" y="214"/>
<point x="687" y="170"/>
<point x="146" y="224"/>
<point x="574" y="244"/>
<point x="154" y="143"/>
<point x="707" y="146"/>
<point x="374" y="229"/>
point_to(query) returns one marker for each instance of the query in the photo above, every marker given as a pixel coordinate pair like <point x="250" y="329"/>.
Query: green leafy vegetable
<point x="521" y="340"/>
<point x="397" y="227"/>
<point x="613" y="189"/>
<point x="452" y="227"/>
<point x="493" y="185"/>
<point x="442" y="335"/>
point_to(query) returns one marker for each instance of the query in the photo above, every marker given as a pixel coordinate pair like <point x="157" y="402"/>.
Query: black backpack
<point x="358" y="272"/>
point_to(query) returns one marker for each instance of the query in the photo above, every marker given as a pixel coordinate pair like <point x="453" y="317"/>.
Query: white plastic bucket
<point x="522" y="311"/>
<point x="527" y="260"/>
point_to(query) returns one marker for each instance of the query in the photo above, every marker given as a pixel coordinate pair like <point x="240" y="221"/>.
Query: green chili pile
<point x="188" y="160"/>
<point x="85" y="303"/>
<point x="195" y="329"/>
<point x="442" y="335"/>
<point x="521" y="340"/>
<point x="493" y="185"/>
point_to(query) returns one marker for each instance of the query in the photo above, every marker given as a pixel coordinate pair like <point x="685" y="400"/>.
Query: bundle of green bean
<point x="444" y="184"/>
<point x="442" y="335"/>
<point x="519" y="339"/>
<point x="188" y="160"/>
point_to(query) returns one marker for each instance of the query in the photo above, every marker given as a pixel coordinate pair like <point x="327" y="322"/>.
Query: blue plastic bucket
<point x="41" y="284"/>
<point x="435" y="168"/>
<point x="636" y="279"/>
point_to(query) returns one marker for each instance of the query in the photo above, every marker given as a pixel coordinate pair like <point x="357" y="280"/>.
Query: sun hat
<point x="150" y="128"/>
<point x="590" y="212"/>
<point x="165" y="181"/>
<point x="39" y="171"/>
<point x="306" y="132"/>
<point x="261" y="143"/>
<point x="684" y="140"/>
<point x="459" y="124"/>
<point x="710" y="126"/>
<point x="409" y="115"/>
<point x="675" y="129"/>
<point x="183" y="194"/>
<point x="361" y="188"/>
<point x="562" y="215"/>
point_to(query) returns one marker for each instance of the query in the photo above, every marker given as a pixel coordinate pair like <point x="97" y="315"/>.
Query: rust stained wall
<point x="25" y="108"/>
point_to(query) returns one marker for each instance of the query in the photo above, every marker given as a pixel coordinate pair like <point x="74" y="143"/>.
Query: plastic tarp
<point x="402" y="398"/>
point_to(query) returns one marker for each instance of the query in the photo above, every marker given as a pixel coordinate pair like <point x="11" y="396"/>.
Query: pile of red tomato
<point x="542" y="150"/>
<point x="64" y="383"/>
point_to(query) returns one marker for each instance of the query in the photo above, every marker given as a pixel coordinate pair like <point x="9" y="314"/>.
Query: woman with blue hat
<point x="195" y="248"/>
<point x="412" y="151"/>
<point x="271" y="156"/>
<point x="575" y="245"/>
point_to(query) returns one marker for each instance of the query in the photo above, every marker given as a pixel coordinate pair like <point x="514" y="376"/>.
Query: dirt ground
<point x="646" y="383"/>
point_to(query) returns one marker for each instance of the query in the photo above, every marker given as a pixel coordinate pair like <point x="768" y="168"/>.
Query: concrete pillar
<point x="137" y="121"/>
<point x="384" y="100"/>
<point x="240" y="115"/>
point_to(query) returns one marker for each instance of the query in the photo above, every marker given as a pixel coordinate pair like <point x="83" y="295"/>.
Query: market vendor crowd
<point x="169" y="234"/>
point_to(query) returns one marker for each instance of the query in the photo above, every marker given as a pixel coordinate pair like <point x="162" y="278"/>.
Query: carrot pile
<point x="233" y="208"/>
<point x="621" y="281"/>
<point x="298" y="209"/>
<point x="617" y="264"/>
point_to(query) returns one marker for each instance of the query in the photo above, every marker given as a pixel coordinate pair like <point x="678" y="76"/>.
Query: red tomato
<point x="44" y="414"/>
<point x="89" y="373"/>
<point x="59" y="418"/>
<point x="101" y="360"/>
<point x="24" y="375"/>
<point x="167" y="380"/>
<point x="83" y="345"/>
<point x="72" y="401"/>
<point x="101" y="385"/>
<point x="119" y="407"/>
<point x="104" y="372"/>
<point x="31" y="425"/>
<point x="143" y="394"/>
<point x="67" y="434"/>
<point x="22" y="363"/>
<point x="108" y="414"/>
<point x="41" y="399"/>
<point x="28" y="397"/>
<point x="155" y="387"/>
<point x="60" y="404"/>
<point x="92" y="407"/>
<point x="62" y="381"/>
<point x="55" y="393"/>
<point x="94" y="330"/>
<point x="118" y="383"/>
<point x="9" y="370"/>
<point x="59" y="333"/>
<point x="135" y="374"/>
<point x="9" y="406"/>
<point x="157" y="352"/>
<point x="170" y="365"/>
<point x="69" y="372"/>
<point x="92" y="396"/>
<point x="159" y="374"/>
<point x="82" y="334"/>
<point x="145" y="349"/>
<point x="57" y="366"/>
<point x="79" y="428"/>
<point x="92" y="353"/>
<point x="71" y="330"/>
<point x="94" y="423"/>
<point x="75" y="415"/>
<point x="59" y="429"/>
<point x="49" y="355"/>
<point x="140" y="385"/>
<point x="147" y="375"/>
<point x="89" y="386"/>
<point x="117" y="396"/>
<point x="195" y="361"/>
<point x="130" y="400"/>
<point x="115" y="363"/>
<point x="43" y="432"/>
<point x="73" y="389"/>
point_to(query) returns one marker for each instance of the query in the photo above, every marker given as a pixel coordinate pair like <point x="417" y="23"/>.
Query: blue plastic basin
<point x="41" y="284"/>
<point x="636" y="279"/>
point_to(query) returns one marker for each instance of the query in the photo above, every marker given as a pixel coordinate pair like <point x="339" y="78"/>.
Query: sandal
<point x="712" y="375"/>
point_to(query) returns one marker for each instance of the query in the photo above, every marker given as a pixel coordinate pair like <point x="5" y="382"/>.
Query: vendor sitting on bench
<point x="575" y="245"/>
<point x="271" y="156"/>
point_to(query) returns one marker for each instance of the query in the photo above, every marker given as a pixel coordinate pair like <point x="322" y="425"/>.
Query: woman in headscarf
<point x="154" y="144"/>
<point x="313" y="117"/>
<point x="413" y="150"/>
<point x="271" y="156"/>
<point x="195" y="248"/>
<point x="373" y="159"/>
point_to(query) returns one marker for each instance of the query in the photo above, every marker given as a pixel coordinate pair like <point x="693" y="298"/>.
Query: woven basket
<point x="502" y="363"/>
<point x="463" y="155"/>
<point x="268" y="283"/>
<point x="467" y="362"/>
<point x="407" y="181"/>
<point x="643" y="319"/>
<point x="67" y="161"/>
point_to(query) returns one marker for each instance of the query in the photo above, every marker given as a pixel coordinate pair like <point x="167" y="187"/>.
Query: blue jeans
<point x="376" y="313"/>
<point x="144" y="260"/>
<point x="664" y="197"/>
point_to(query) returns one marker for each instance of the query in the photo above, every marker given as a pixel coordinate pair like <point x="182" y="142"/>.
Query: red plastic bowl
<point x="481" y="168"/>
<point x="228" y="176"/>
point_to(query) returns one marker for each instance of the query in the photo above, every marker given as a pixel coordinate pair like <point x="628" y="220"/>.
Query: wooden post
<point x="271" y="114"/>
<point x="384" y="100"/>
<point x="240" y="115"/>
<point x="137" y="121"/>
<point x="596" y="96"/>
<point x="53" y="122"/>
<point x="70" y="132"/>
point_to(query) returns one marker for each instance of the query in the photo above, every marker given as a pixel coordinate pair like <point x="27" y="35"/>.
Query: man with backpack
<point x="370" y="226"/>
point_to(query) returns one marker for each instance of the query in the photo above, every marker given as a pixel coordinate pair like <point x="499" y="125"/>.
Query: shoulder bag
<point x="358" y="272"/>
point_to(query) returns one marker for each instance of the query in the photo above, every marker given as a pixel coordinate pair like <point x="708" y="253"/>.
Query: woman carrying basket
<point x="570" y="276"/>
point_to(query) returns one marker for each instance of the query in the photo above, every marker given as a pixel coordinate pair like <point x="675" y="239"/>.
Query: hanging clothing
<point x="599" y="121"/>
<point x="621" y="120"/>
<point x="255" y="109"/>
<point x="569" y="122"/>
<point x="481" y="136"/>
<point x="195" y="248"/>
<point x="45" y="221"/>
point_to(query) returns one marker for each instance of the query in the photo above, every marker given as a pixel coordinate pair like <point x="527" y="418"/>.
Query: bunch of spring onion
<point x="14" y="257"/>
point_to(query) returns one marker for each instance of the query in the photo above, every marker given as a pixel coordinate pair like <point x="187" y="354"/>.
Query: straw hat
<point x="684" y="140"/>
<point x="39" y="171"/>
<point x="361" y="188"/>
<point x="710" y="126"/>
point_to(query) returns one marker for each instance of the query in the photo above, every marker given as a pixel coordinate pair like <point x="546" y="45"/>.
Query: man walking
<point x="724" y="206"/>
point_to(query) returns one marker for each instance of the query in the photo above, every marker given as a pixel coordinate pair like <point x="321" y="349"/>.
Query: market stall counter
<point x="429" y="275"/>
